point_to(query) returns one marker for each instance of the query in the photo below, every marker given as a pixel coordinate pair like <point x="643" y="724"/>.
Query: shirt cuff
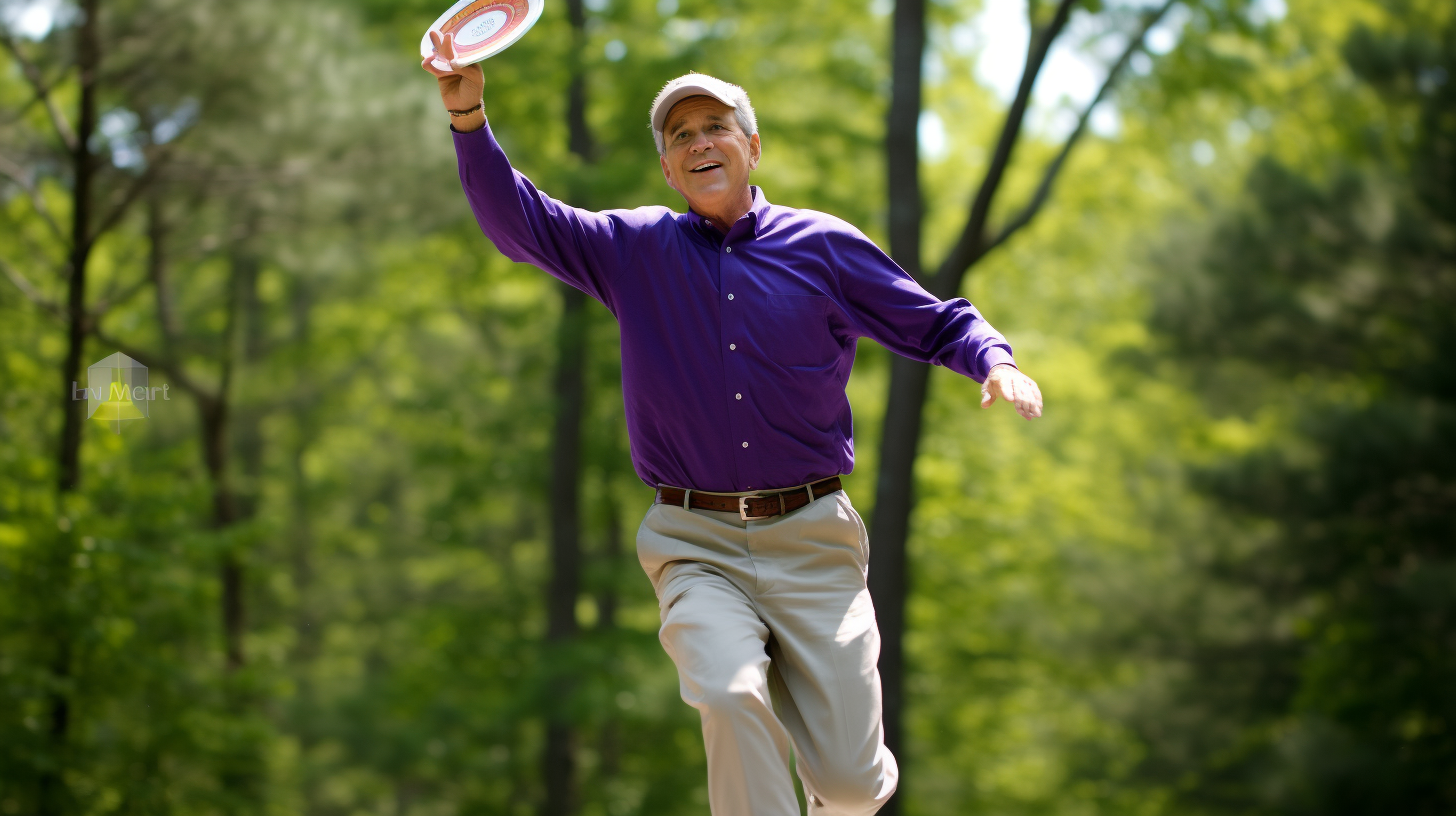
<point x="994" y="356"/>
<point x="485" y="128"/>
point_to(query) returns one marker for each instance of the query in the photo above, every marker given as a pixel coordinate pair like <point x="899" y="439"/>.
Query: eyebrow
<point x="677" y="125"/>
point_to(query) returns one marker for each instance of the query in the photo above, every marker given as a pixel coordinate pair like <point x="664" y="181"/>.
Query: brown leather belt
<point x="760" y="506"/>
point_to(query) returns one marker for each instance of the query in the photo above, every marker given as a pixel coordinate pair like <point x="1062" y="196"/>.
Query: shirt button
<point x="745" y="444"/>
<point x="729" y="249"/>
<point x="730" y="296"/>
<point x="737" y="396"/>
<point x="732" y="347"/>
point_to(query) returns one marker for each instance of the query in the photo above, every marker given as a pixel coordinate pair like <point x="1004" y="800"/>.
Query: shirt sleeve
<point x="585" y="249"/>
<point x="887" y="305"/>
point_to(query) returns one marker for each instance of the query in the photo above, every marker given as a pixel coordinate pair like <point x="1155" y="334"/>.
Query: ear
<point x="666" y="173"/>
<point x="755" y="150"/>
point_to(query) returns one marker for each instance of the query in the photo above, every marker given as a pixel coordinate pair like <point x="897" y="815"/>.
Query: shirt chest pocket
<point x="797" y="333"/>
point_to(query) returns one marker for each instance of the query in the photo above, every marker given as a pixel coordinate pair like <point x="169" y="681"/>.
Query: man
<point x="738" y="322"/>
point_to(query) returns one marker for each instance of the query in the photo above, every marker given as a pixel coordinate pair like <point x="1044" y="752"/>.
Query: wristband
<point x="468" y="111"/>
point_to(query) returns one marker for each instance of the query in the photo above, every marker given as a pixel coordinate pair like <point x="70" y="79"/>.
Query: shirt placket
<point x="732" y="272"/>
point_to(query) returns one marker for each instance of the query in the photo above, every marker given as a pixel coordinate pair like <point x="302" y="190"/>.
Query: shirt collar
<point x="757" y="214"/>
<point x="759" y="211"/>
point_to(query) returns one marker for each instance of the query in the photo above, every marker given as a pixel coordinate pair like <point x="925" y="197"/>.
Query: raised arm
<point x="583" y="248"/>
<point x="462" y="88"/>
<point x="888" y="306"/>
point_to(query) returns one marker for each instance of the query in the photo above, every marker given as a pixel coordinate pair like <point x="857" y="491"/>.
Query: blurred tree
<point x="564" y="493"/>
<point x="909" y="381"/>
<point x="1319" y="679"/>
<point x="88" y="178"/>
<point x="216" y="181"/>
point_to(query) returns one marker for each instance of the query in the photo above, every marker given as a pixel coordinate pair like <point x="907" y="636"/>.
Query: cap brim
<point x="659" y="116"/>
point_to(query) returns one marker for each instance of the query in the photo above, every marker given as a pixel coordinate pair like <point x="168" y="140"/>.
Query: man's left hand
<point x="1007" y="382"/>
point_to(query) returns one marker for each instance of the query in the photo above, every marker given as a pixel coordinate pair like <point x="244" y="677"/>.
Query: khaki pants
<point x="776" y="604"/>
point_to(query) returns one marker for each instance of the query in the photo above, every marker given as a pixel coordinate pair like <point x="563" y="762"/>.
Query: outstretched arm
<point x="891" y="308"/>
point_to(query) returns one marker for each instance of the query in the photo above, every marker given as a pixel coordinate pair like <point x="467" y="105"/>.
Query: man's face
<point x="708" y="156"/>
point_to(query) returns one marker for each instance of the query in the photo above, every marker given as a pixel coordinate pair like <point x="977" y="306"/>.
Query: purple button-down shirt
<point x="735" y="348"/>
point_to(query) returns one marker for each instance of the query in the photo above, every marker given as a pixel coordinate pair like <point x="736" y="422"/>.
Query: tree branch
<point x="115" y="298"/>
<point x="16" y="174"/>
<point x="42" y="92"/>
<point x="1049" y="177"/>
<point x="157" y="271"/>
<point x="160" y="362"/>
<point x="968" y="247"/>
<point x="138" y="186"/>
<point x="31" y="293"/>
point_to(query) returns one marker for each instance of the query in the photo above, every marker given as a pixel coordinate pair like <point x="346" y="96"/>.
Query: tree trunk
<point x="890" y="523"/>
<point x="889" y="533"/>
<point x="564" y="501"/>
<point x="52" y="798"/>
<point x="215" y="412"/>
<point x="607" y="600"/>
<point x="214" y="427"/>
<point x="564" y="494"/>
<point x="611" y="557"/>
<point x="909" y="381"/>
<point x="83" y="168"/>
<point x="902" y="144"/>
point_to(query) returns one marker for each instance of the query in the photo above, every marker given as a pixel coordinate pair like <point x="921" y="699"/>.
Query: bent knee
<point x="838" y="793"/>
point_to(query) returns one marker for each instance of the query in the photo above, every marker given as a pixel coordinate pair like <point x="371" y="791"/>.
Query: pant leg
<point x="700" y="568"/>
<point x="717" y="642"/>
<point x="825" y="649"/>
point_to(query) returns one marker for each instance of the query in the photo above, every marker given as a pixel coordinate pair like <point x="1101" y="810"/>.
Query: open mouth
<point x="703" y="168"/>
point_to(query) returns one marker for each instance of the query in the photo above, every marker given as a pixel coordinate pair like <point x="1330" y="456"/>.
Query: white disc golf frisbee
<point x="482" y="28"/>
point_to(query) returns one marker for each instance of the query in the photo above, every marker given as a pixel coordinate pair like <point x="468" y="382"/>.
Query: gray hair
<point x="742" y="110"/>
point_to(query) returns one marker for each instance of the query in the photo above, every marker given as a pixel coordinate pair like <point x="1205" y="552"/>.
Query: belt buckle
<point x="743" y="508"/>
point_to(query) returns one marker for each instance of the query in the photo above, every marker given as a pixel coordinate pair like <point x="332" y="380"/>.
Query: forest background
<point x="373" y="552"/>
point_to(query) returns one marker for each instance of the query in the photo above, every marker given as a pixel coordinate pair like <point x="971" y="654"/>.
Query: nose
<point x="701" y="143"/>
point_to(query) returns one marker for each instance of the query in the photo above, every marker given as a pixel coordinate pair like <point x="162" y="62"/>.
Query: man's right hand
<point x="461" y="88"/>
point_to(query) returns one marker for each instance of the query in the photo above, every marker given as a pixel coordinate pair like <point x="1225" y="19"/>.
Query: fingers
<point x="1014" y="387"/>
<point x="1028" y="402"/>
<point x="445" y="45"/>
<point x="442" y="62"/>
<point x="432" y="64"/>
<point x="1006" y="387"/>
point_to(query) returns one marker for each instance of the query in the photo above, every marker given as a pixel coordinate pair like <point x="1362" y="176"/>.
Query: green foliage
<point x="1333" y="693"/>
<point x="1215" y="577"/>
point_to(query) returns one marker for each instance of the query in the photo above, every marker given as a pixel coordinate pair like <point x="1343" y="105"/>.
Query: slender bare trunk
<point x="215" y="411"/>
<point x="214" y="415"/>
<point x="611" y="556"/>
<point x="52" y="798"/>
<point x="908" y="379"/>
<point x="83" y="168"/>
<point x="568" y="393"/>
<point x="565" y="587"/>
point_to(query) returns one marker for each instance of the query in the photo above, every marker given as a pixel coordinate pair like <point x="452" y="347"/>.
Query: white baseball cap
<point x="699" y="85"/>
